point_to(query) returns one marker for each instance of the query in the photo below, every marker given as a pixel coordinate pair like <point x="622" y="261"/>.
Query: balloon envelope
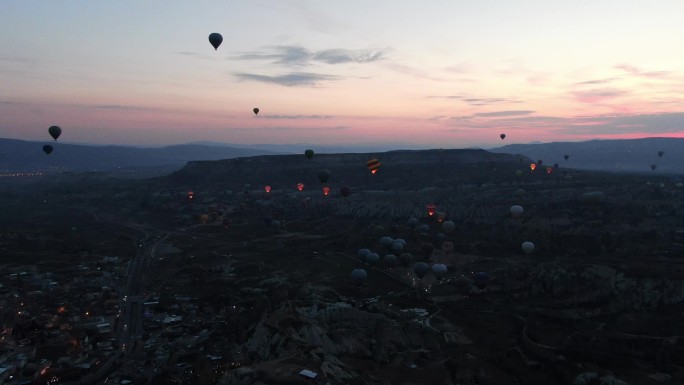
<point x="386" y="241"/>
<point x="502" y="136"/>
<point x="309" y="154"/>
<point x="362" y="253"/>
<point x="358" y="276"/>
<point x="516" y="211"/>
<point x="439" y="270"/>
<point x="215" y="39"/>
<point x="255" y="110"/>
<point x="420" y="269"/>
<point x="390" y="260"/>
<point x="528" y="247"/>
<point x="323" y="176"/>
<point x="372" y="258"/>
<point x="448" y="226"/>
<point x="397" y="246"/>
<point x="55" y="132"/>
<point x="47" y="149"/>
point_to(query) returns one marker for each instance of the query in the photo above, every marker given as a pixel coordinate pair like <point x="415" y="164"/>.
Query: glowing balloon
<point x="373" y="165"/>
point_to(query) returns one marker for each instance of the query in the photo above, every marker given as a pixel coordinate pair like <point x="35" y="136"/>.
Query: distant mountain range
<point x="20" y="155"/>
<point x="632" y="155"/>
<point x="635" y="155"/>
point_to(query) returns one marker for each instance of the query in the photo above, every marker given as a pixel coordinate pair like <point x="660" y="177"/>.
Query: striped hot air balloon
<point x="373" y="165"/>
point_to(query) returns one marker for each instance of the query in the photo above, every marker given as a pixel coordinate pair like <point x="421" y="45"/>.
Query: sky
<point x="436" y="74"/>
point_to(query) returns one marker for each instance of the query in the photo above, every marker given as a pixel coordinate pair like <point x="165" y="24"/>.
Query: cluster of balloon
<point x="430" y="209"/>
<point x="481" y="280"/>
<point x="345" y="191"/>
<point x="300" y="186"/>
<point x="439" y="270"/>
<point x="528" y="247"/>
<point x="502" y="136"/>
<point x="309" y="154"/>
<point x="373" y="165"/>
<point x="323" y="176"/>
<point x="215" y="39"/>
<point x="326" y="190"/>
<point x="516" y="211"/>
<point x="267" y="189"/>
<point x="358" y="276"/>
<point x="420" y="269"/>
<point x="255" y="110"/>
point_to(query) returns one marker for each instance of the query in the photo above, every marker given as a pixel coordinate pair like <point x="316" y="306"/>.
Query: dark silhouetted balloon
<point x="390" y="260"/>
<point x="255" y="110"/>
<point x="481" y="280"/>
<point x="405" y="259"/>
<point x="502" y="136"/>
<point x="653" y="167"/>
<point x="55" y="132"/>
<point x="660" y="154"/>
<point x="372" y="258"/>
<point x="566" y="156"/>
<point x="439" y="270"/>
<point x="47" y="149"/>
<point x="362" y="253"/>
<point x="555" y="165"/>
<point x="309" y="154"/>
<point x="323" y="176"/>
<point x="420" y="269"/>
<point x="215" y="39"/>
<point x="539" y="162"/>
<point x="358" y="276"/>
<point x="412" y="222"/>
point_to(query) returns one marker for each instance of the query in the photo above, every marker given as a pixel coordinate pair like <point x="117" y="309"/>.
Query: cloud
<point x="598" y="95"/>
<point x="596" y="81"/>
<point x="503" y="113"/>
<point x="487" y="101"/>
<point x="294" y="79"/>
<point x="118" y="107"/>
<point x="445" y="97"/>
<point x="638" y="72"/>
<point x="413" y="72"/>
<point x="297" y="55"/>
<point x="289" y="128"/>
<point x="297" y="117"/>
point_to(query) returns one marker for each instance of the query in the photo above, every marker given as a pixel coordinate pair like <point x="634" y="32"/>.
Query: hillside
<point x="634" y="155"/>
<point x="20" y="155"/>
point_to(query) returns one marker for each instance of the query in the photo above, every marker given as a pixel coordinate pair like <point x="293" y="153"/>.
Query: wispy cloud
<point x="503" y="113"/>
<point x="638" y="72"/>
<point x="297" y="116"/>
<point x="118" y="107"/>
<point x="598" y="95"/>
<point x="297" y="55"/>
<point x="294" y="79"/>
<point x="445" y="97"/>
<point x="290" y="128"/>
<point x="488" y="101"/>
<point x="411" y="71"/>
<point x="596" y="81"/>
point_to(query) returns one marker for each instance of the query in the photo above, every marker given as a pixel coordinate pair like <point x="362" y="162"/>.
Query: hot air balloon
<point x="539" y="162"/>
<point x="323" y="176"/>
<point x="55" y="132"/>
<point x="481" y="280"/>
<point x="653" y="167"/>
<point x="362" y="253"/>
<point x="267" y="189"/>
<point x="566" y="156"/>
<point x="309" y="154"/>
<point x="215" y="39"/>
<point x="373" y="165"/>
<point x="420" y="269"/>
<point x="555" y="165"/>
<point x="405" y="259"/>
<point x="533" y="166"/>
<point x="448" y="226"/>
<point x="358" y="276"/>
<point x="191" y="194"/>
<point x="661" y="153"/>
<point x="439" y="270"/>
<point x="326" y="190"/>
<point x="255" y="110"/>
<point x="430" y="209"/>
<point x="502" y="136"/>
<point x="47" y="149"/>
<point x="372" y="258"/>
<point x="386" y="241"/>
<point x="412" y="222"/>
<point x="345" y="191"/>
<point x="549" y="170"/>
<point x="440" y="237"/>
<point x="300" y="186"/>
<point x="441" y="216"/>
<point x="528" y="247"/>
<point x="390" y="260"/>
<point x="516" y="211"/>
<point x="423" y="229"/>
<point x="397" y="246"/>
